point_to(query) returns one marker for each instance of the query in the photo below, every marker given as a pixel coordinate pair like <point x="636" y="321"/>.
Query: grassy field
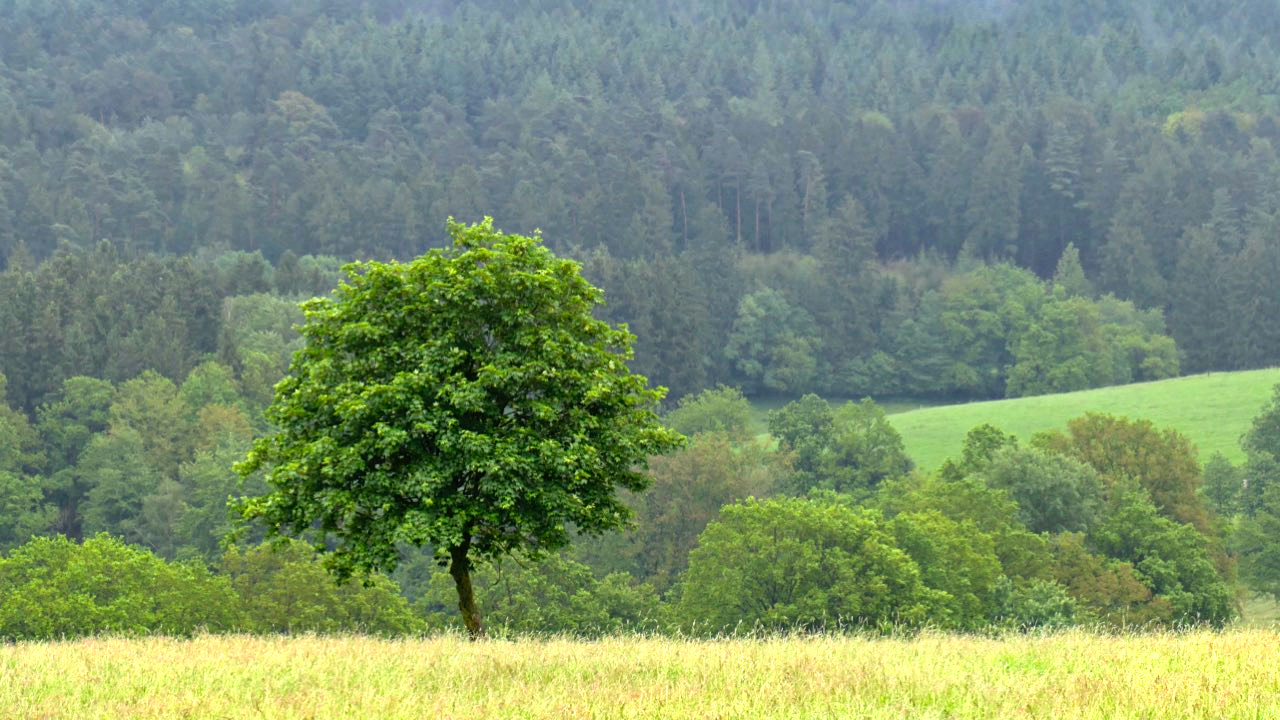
<point x="1078" y="675"/>
<point x="1213" y="410"/>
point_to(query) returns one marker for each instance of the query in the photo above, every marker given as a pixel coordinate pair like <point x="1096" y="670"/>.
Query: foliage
<point x="208" y="485"/>
<point x="19" y="445"/>
<point x="1263" y="437"/>
<point x="54" y="588"/>
<point x="790" y="563"/>
<point x="721" y="409"/>
<point x="68" y="421"/>
<point x="1223" y="486"/>
<point x="689" y="488"/>
<point x="554" y="596"/>
<point x="23" y="508"/>
<point x="981" y="445"/>
<point x="467" y="400"/>
<point x="285" y="589"/>
<point x="1054" y="493"/>
<point x="1069" y="276"/>
<point x="1040" y="604"/>
<point x="1254" y="542"/>
<point x="1023" y="555"/>
<point x="865" y="449"/>
<point x="152" y="406"/>
<point x="1003" y="331"/>
<point x="1060" y="351"/>
<point x="1129" y="150"/>
<point x="1170" y="558"/>
<point x="114" y="469"/>
<point x="1163" y="462"/>
<point x="773" y="345"/>
<point x="209" y="383"/>
<point x="1106" y="590"/>
<point x="1262" y="447"/>
<point x="982" y="313"/>
<point x="956" y="559"/>
<point x="849" y="450"/>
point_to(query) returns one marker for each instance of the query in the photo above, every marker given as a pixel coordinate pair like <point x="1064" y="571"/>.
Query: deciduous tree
<point x="467" y="400"/>
<point x="791" y="563"/>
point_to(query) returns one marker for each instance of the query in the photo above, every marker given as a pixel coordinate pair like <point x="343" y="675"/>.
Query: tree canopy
<point x="467" y="400"/>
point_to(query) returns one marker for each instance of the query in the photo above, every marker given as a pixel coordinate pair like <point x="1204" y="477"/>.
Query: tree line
<point x="983" y="331"/>
<point x="1110" y="522"/>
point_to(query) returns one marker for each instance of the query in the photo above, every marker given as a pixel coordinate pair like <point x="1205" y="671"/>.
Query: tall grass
<point x="1073" y="675"/>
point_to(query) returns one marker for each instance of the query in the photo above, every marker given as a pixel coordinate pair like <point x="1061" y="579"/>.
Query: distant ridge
<point x="1213" y="410"/>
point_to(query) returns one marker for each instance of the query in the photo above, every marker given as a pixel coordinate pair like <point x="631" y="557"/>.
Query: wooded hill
<point x="783" y="197"/>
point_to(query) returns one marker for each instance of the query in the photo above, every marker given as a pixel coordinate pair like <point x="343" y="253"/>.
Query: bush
<point x="721" y="409"/>
<point x="554" y="596"/>
<point x="54" y="588"/>
<point x="957" y="560"/>
<point x="1039" y="604"/>
<point x="286" y="589"/>
<point x="793" y="564"/>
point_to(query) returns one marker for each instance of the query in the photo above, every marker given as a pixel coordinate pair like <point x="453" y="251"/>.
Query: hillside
<point x="788" y="198"/>
<point x="1213" y="410"/>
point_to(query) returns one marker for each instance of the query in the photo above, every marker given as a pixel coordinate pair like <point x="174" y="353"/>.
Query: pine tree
<point x="1199" y="314"/>
<point x="993" y="213"/>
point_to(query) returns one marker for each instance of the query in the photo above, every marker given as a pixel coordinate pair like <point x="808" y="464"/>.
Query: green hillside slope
<point x="1213" y="410"/>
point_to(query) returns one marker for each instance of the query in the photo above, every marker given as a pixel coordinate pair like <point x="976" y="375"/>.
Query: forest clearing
<point x="1072" y="675"/>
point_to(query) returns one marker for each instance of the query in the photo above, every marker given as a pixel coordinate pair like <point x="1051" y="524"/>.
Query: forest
<point x="787" y="201"/>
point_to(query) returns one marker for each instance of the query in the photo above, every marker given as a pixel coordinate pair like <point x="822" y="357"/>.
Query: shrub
<point x="55" y="588"/>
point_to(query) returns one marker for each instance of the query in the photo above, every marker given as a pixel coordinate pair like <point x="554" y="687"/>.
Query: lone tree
<point x="467" y="401"/>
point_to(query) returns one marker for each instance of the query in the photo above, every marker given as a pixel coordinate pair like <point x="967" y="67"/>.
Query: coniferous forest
<point x="942" y="201"/>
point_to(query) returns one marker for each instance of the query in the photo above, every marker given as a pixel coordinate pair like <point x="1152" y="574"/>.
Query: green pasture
<point x="1213" y="410"/>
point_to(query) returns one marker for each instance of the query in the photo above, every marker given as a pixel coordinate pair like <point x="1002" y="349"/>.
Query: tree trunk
<point x="804" y="208"/>
<point x="759" y="245"/>
<point x="768" y="223"/>
<point x="737" y="195"/>
<point x="460" y="569"/>
<point x="684" y="214"/>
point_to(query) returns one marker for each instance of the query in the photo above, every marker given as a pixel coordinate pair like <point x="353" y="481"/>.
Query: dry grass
<point x="1076" y="675"/>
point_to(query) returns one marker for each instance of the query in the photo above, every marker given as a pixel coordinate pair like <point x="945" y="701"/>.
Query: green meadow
<point x="1213" y="410"/>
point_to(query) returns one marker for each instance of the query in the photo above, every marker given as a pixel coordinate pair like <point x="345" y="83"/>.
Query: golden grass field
<point x="1233" y="674"/>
